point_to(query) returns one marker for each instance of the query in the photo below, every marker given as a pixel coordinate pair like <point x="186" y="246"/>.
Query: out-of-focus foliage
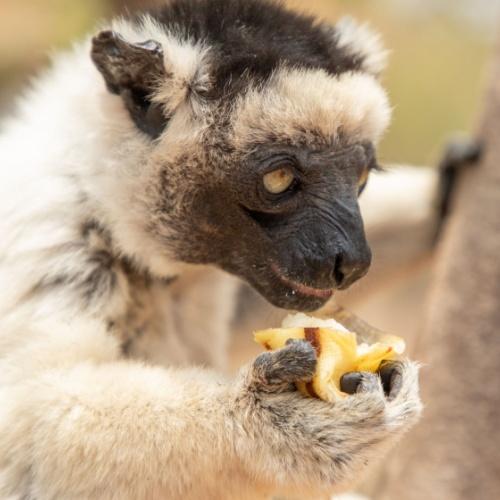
<point x="439" y="50"/>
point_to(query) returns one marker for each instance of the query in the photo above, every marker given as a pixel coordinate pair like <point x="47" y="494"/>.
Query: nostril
<point x="338" y="272"/>
<point x="346" y="272"/>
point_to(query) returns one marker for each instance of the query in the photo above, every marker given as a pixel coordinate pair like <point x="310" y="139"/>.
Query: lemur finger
<point x="370" y="383"/>
<point x="359" y="382"/>
<point x="406" y="386"/>
<point x="400" y="380"/>
<point x="277" y="370"/>
<point x="391" y="375"/>
<point x="349" y="382"/>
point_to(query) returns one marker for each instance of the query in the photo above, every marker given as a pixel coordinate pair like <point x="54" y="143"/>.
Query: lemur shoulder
<point x="149" y="170"/>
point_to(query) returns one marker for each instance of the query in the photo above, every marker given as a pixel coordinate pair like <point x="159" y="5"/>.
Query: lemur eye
<point x="279" y="180"/>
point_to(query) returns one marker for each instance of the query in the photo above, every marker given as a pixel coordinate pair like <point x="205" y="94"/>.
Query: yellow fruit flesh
<point x="338" y="353"/>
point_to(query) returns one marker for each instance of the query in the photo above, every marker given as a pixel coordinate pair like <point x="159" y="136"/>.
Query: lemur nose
<point x="351" y="267"/>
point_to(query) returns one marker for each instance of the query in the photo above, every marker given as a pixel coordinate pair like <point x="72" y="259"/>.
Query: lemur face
<point x="256" y="171"/>
<point x="285" y="218"/>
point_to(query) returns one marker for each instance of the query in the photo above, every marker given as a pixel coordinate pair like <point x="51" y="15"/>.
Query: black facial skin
<point x="310" y="235"/>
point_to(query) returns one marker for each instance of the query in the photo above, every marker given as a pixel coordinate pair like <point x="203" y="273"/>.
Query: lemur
<point x="152" y="167"/>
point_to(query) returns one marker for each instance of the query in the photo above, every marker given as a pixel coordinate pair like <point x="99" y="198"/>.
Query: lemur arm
<point x="84" y="424"/>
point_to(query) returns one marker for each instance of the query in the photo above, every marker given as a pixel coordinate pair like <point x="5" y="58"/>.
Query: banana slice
<point x="336" y="348"/>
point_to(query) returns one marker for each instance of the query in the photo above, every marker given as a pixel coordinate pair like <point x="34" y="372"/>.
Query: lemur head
<point x="261" y="125"/>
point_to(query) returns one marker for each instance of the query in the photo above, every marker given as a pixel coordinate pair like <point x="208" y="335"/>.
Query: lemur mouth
<point x="300" y="288"/>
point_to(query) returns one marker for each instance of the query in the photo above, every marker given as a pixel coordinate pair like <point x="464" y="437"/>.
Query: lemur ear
<point x="133" y="71"/>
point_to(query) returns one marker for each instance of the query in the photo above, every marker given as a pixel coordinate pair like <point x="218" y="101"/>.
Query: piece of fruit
<point x="336" y="348"/>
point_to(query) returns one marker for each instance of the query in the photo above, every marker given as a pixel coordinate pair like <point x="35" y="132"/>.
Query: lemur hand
<point x="300" y="443"/>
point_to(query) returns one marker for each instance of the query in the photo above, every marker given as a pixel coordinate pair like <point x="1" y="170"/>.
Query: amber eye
<point x="279" y="180"/>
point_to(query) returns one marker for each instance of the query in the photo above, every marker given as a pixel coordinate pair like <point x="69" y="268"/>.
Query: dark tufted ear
<point x="132" y="71"/>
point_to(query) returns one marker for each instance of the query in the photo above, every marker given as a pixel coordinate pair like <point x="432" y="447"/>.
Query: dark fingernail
<point x="385" y="372"/>
<point x="349" y="382"/>
<point x="390" y="378"/>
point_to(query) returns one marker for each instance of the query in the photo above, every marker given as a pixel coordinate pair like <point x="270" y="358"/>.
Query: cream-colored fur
<point x="351" y="105"/>
<point x="100" y="397"/>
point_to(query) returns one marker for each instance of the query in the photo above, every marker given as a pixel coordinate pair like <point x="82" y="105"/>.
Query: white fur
<point x="70" y="137"/>
<point x="360" y="39"/>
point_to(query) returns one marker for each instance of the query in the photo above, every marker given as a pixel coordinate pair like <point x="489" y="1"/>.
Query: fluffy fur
<point x="102" y="309"/>
<point x="358" y="40"/>
<point x="352" y="106"/>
